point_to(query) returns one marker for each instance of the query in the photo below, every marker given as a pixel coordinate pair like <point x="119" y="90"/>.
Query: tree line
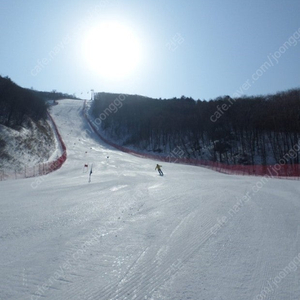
<point x="246" y="130"/>
<point x="17" y="103"/>
<point x="53" y="95"/>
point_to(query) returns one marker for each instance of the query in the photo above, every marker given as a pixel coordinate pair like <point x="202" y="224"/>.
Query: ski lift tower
<point x="92" y="95"/>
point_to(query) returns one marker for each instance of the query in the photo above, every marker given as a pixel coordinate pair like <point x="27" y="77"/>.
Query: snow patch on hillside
<point x="25" y="146"/>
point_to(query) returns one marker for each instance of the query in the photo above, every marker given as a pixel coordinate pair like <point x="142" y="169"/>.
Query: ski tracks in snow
<point x="157" y="264"/>
<point x="155" y="237"/>
<point x="153" y="266"/>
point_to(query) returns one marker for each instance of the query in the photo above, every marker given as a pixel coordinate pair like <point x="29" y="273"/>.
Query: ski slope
<point x="131" y="234"/>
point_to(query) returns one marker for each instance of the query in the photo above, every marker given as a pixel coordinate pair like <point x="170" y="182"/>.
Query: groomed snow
<point x="131" y="234"/>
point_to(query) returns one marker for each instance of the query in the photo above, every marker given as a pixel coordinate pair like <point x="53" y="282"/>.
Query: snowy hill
<point x="131" y="234"/>
<point x="26" y="146"/>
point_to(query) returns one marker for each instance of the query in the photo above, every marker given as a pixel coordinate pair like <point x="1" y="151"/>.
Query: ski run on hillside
<point x="132" y="234"/>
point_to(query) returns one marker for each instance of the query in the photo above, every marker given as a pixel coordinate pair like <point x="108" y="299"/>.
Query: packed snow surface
<point x="132" y="234"/>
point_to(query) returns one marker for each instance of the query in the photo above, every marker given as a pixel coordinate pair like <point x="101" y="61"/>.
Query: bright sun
<point x="112" y="50"/>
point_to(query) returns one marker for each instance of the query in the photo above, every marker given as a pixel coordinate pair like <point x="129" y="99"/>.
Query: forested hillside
<point x="53" y="95"/>
<point x="25" y="136"/>
<point x="247" y="130"/>
<point x="16" y="103"/>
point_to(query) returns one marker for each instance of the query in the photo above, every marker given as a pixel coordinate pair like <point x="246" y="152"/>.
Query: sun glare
<point x="112" y="50"/>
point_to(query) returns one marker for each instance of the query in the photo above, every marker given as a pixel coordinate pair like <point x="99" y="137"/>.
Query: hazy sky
<point x="197" y="48"/>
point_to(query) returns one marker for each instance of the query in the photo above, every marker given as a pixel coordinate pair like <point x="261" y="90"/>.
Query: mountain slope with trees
<point x="53" y="95"/>
<point x="17" y="103"/>
<point x="26" y="137"/>
<point x="246" y="130"/>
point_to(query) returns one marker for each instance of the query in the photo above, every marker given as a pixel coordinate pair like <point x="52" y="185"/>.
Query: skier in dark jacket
<point x="158" y="168"/>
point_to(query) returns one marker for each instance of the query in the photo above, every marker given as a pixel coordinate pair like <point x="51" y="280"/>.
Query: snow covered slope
<point x="28" y="146"/>
<point x="131" y="234"/>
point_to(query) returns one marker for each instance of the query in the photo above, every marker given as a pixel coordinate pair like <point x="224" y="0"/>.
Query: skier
<point x="91" y="172"/>
<point x="158" y="167"/>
